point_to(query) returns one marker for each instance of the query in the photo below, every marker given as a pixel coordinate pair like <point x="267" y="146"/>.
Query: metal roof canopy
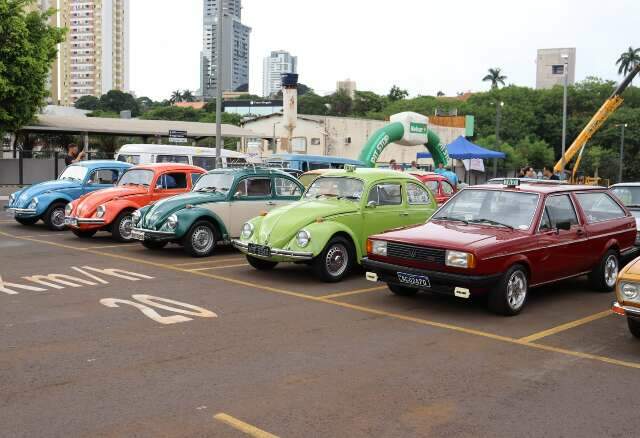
<point x="131" y="127"/>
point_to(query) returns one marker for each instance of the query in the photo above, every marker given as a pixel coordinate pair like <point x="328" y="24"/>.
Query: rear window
<point x="181" y="159"/>
<point x="207" y="163"/>
<point x="133" y="159"/>
<point x="599" y="206"/>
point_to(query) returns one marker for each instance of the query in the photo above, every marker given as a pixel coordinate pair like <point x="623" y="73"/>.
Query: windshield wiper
<point x="207" y="189"/>
<point x="492" y="222"/>
<point x="632" y="205"/>
<point x="450" y="218"/>
<point x="355" y="198"/>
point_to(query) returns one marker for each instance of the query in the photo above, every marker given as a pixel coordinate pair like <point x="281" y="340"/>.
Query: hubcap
<point x="337" y="260"/>
<point x="611" y="270"/>
<point x="57" y="217"/>
<point x="202" y="239"/>
<point x="516" y="290"/>
<point x="126" y="225"/>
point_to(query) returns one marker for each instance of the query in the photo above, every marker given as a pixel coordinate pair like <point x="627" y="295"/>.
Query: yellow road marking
<point x="121" y="245"/>
<point x="352" y="292"/>
<point x="242" y="426"/>
<point x="567" y="326"/>
<point x="211" y="260"/>
<point x="459" y="329"/>
<point x="218" y="267"/>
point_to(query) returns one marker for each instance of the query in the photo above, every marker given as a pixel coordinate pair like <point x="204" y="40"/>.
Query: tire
<point x="603" y="277"/>
<point x="54" y="216"/>
<point x="634" y="327"/>
<point x="154" y="244"/>
<point x="121" y="227"/>
<point x="401" y="290"/>
<point x="509" y="296"/>
<point x="84" y="234"/>
<point x="335" y="261"/>
<point x="27" y="220"/>
<point x="261" y="265"/>
<point x="201" y="239"/>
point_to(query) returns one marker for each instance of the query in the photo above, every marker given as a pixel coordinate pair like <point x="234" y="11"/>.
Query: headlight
<point x="377" y="247"/>
<point x="135" y="216"/>
<point x="12" y="197"/>
<point x="68" y="209"/>
<point x="459" y="259"/>
<point x="247" y="230"/>
<point x="172" y="222"/>
<point x="630" y="291"/>
<point x="100" y="211"/>
<point x="34" y="203"/>
<point x="303" y="238"/>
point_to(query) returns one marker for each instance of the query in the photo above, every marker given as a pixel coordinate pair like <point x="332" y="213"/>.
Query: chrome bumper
<point x="625" y="310"/>
<point x="80" y="220"/>
<point x="295" y="255"/>
<point x="155" y="233"/>
<point x="20" y="211"/>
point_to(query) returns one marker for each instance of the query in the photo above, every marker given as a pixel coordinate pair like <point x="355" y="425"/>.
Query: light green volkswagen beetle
<point x="328" y="228"/>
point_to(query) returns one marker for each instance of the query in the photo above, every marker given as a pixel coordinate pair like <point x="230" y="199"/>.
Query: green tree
<point x="187" y="96"/>
<point x="397" y="93"/>
<point x="368" y="101"/>
<point x="27" y="49"/>
<point x="87" y="103"/>
<point x="145" y="103"/>
<point x="537" y="153"/>
<point x="514" y="159"/>
<point x="313" y="104"/>
<point x="173" y="113"/>
<point x="340" y="103"/>
<point x="495" y="76"/>
<point x="176" y="96"/>
<point x="628" y="60"/>
<point x="116" y="101"/>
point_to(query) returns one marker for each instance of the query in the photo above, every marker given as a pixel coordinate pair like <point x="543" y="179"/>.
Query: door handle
<point x="271" y="203"/>
<point x="404" y="213"/>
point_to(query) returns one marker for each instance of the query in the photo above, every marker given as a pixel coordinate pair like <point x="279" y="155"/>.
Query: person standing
<point x="548" y="174"/>
<point x="414" y="166"/>
<point x="73" y="156"/>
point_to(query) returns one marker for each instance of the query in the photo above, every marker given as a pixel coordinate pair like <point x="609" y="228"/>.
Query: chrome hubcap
<point x="202" y="239"/>
<point x="57" y="217"/>
<point x="516" y="290"/>
<point x="126" y="225"/>
<point x="337" y="259"/>
<point x="611" y="270"/>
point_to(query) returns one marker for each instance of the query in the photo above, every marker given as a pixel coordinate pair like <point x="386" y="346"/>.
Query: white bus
<point x="197" y="156"/>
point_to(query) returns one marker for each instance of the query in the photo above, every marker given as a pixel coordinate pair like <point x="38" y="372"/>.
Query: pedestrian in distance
<point x="414" y="165"/>
<point x="529" y="172"/>
<point x="73" y="156"/>
<point x="548" y="174"/>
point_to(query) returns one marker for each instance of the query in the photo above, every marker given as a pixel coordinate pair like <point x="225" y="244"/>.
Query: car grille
<point x="418" y="253"/>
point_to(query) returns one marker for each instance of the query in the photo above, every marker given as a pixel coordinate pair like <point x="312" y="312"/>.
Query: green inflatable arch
<point x="394" y="132"/>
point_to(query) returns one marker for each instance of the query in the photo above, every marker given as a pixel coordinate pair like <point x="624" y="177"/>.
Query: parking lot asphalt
<point x="125" y="341"/>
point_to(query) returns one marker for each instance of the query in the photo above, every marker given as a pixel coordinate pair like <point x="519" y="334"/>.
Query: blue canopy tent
<point x="463" y="149"/>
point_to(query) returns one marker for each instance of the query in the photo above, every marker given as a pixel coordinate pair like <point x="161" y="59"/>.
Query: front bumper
<point x="282" y="254"/>
<point x="154" y="234"/>
<point x="14" y="211"/>
<point x="73" y="221"/>
<point x="441" y="282"/>
<point x="628" y="311"/>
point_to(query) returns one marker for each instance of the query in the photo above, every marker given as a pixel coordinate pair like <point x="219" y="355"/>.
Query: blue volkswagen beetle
<point x="47" y="200"/>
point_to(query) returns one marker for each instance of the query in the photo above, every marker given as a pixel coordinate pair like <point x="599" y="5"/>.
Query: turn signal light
<point x="263" y="213"/>
<point x="369" y="246"/>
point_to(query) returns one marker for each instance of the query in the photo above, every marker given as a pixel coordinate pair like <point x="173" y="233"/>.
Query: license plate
<point x="70" y="221"/>
<point x="414" y="280"/>
<point x="137" y="235"/>
<point x="260" y="250"/>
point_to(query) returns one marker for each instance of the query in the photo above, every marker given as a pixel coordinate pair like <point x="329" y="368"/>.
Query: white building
<point x="273" y="66"/>
<point x="551" y="64"/>
<point x="348" y="86"/>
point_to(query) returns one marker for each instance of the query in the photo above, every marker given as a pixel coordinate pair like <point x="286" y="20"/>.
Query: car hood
<point x="89" y="202"/>
<point x="280" y="225"/>
<point x="28" y="193"/>
<point x="163" y="208"/>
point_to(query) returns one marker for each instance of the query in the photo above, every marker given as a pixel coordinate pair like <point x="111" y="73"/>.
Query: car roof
<point x="430" y="175"/>
<point x="241" y="171"/>
<point x="177" y="150"/>
<point x="539" y="188"/>
<point x="168" y="166"/>
<point x="370" y="174"/>
<point x="318" y="158"/>
<point x="91" y="164"/>
<point x="627" y="184"/>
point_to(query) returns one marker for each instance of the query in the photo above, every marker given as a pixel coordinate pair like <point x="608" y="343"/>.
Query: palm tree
<point x="187" y="96"/>
<point x="628" y="60"/>
<point x="496" y="77"/>
<point x="176" y="96"/>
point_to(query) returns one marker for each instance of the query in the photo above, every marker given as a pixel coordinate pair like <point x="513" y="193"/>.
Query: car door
<point x="385" y="208"/>
<point x="285" y="191"/>
<point x="420" y="204"/>
<point x="169" y="184"/>
<point x="253" y="195"/>
<point x="101" y="179"/>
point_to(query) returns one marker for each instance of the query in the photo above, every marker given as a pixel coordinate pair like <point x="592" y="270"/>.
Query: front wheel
<point x="335" y="261"/>
<point x="603" y="277"/>
<point x="261" y="265"/>
<point x="54" y="216"/>
<point x="510" y="294"/>
<point x="201" y="239"/>
<point x="401" y="290"/>
<point x="122" y="226"/>
<point x="27" y="220"/>
<point x="84" y="234"/>
<point x="634" y="327"/>
<point x="154" y="244"/>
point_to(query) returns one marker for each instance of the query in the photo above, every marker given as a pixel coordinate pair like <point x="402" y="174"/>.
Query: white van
<point x="197" y="156"/>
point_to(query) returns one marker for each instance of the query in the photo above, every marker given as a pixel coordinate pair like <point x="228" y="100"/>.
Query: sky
<point x="422" y="46"/>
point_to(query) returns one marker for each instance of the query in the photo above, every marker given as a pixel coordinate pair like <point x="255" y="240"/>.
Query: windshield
<point x="214" y="182"/>
<point x="136" y="177"/>
<point x="629" y="195"/>
<point x="74" y="173"/>
<point x="337" y="187"/>
<point x="491" y="207"/>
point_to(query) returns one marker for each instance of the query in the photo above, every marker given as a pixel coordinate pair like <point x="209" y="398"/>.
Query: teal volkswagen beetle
<point x="214" y="211"/>
<point x="328" y="228"/>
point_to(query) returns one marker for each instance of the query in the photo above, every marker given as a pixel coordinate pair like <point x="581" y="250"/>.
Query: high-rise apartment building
<point x="551" y="65"/>
<point x="348" y="86"/>
<point x="273" y="66"/>
<point x="234" y="62"/>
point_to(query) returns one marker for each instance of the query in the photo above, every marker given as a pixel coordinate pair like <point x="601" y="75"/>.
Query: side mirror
<point x="372" y="204"/>
<point x="563" y="226"/>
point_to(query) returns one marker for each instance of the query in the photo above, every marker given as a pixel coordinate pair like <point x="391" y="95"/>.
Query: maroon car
<point x="501" y="240"/>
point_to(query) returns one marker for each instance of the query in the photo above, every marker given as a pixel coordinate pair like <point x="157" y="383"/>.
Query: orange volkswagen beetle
<point x="110" y="209"/>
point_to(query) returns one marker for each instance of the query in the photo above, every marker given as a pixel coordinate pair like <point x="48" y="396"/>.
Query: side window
<point x="207" y="163"/>
<point x="599" y="207"/>
<point x="433" y="186"/>
<point x="133" y="159"/>
<point x="447" y="188"/>
<point x="194" y="178"/>
<point x="545" y="222"/>
<point x="386" y="194"/>
<point x="254" y="187"/>
<point x="417" y="195"/>
<point x="286" y="187"/>
<point x="559" y="209"/>
<point x="104" y="176"/>
<point x="172" y="181"/>
<point x="181" y="159"/>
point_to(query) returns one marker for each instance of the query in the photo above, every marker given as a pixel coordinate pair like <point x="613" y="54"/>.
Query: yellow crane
<point x="608" y="107"/>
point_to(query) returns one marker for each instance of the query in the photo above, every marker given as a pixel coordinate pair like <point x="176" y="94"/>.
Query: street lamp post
<point x="219" y="87"/>
<point x="620" y="168"/>
<point x="564" y="109"/>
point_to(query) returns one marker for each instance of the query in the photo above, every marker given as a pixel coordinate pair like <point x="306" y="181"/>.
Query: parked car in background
<point x="304" y="162"/>
<point x="111" y="209"/>
<point x="628" y="296"/>
<point x="439" y="185"/>
<point x="503" y="240"/>
<point x="629" y="194"/>
<point x="214" y="211"/>
<point x="328" y="228"/>
<point x="308" y="177"/>
<point x="47" y="200"/>
<point x="196" y="156"/>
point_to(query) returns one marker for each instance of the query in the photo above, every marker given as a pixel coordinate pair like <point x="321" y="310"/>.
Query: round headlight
<point x="12" y="197"/>
<point x="247" y="230"/>
<point x="33" y="203"/>
<point x="68" y="209"/>
<point x="135" y="216"/>
<point x="100" y="211"/>
<point x="172" y="221"/>
<point x="303" y="238"/>
<point x="630" y="290"/>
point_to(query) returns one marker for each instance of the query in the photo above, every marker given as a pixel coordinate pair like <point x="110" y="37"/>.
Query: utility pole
<point x="219" y="87"/>
<point x="564" y="111"/>
<point x="499" y="106"/>
<point x="622" y="126"/>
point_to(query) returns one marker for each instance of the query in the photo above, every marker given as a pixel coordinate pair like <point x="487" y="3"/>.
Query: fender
<point x="187" y="216"/>
<point x="322" y="232"/>
<point x="611" y="243"/>
<point x="517" y="259"/>
<point x="48" y="198"/>
<point x="115" y="207"/>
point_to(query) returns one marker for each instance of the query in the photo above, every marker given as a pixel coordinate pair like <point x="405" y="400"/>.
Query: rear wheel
<point x="27" y="220"/>
<point x="634" y="327"/>
<point x="401" y="290"/>
<point x="335" y="261"/>
<point x="201" y="239"/>
<point x="603" y="277"/>
<point x="54" y="216"/>
<point x="84" y="234"/>
<point x="122" y="226"/>
<point x="154" y="244"/>
<point x="261" y="265"/>
<point x="510" y="294"/>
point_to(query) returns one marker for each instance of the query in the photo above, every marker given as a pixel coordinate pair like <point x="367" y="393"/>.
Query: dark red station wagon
<point x="501" y="240"/>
